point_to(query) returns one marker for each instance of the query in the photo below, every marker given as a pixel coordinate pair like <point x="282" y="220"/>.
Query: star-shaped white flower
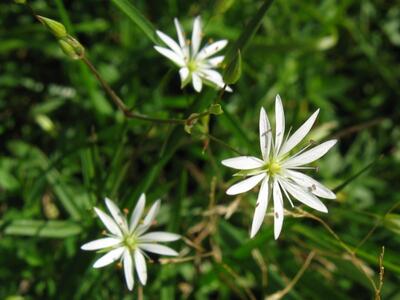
<point x="195" y="65"/>
<point x="278" y="171"/>
<point x="128" y="242"/>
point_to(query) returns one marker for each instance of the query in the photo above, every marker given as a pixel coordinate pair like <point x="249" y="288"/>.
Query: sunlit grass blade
<point x="42" y="228"/>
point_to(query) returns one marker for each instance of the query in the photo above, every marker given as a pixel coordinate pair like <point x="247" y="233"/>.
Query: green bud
<point x="233" y="70"/>
<point x="189" y="125"/>
<point x="71" y="47"/>
<point x="56" y="28"/>
<point x="215" y="109"/>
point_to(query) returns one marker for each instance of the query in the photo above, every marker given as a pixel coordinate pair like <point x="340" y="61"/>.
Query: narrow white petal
<point x="158" y="249"/>
<point x="280" y="123"/>
<point x="197" y="84"/>
<point x="141" y="268"/>
<point x="278" y="210"/>
<point x="184" y="74"/>
<point x="178" y="60"/>
<point x="311" y="184"/>
<point x="243" y="162"/>
<point x="212" y="76"/>
<point x="261" y="207"/>
<point x="148" y="220"/>
<point x="108" y="222"/>
<point x="159" y="236"/>
<point x="216" y="61"/>
<point x="196" y="35"/>
<point x="116" y="213"/>
<point x="265" y="134"/>
<point x="170" y="43"/>
<point x="109" y="258"/>
<point x="309" y="155"/>
<point x="137" y="212"/>
<point x="299" y="134"/>
<point x="128" y="269"/>
<point x="303" y="195"/>
<point x="101" y="243"/>
<point x="245" y="185"/>
<point x="180" y="32"/>
<point x="211" y="49"/>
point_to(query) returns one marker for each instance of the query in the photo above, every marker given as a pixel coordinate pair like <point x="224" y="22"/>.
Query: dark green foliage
<point x="64" y="146"/>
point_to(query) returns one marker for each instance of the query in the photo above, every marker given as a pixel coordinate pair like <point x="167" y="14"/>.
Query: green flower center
<point x="192" y="66"/>
<point x="273" y="168"/>
<point x="131" y="242"/>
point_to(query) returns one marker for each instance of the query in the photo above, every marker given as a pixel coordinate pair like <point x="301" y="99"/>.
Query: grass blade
<point x="136" y="17"/>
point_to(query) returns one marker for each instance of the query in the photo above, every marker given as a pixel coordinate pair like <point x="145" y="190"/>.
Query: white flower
<point x="195" y="64"/>
<point x="128" y="242"/>
<point x="278" y="171"/>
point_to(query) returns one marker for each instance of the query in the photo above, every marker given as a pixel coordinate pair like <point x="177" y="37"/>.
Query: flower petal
<point x="108" y="222"/>
<point x="128" y="269"/>
<point x="245" y="185"/>
<point x="178" y="60"/>
<point x="211" y="49"/>
<point x="278" y="209"/>
<point x="311" y="184"/>
<point x="158" y="249"/>
<point x="109" y="258"/>
<point x="216" y="61"/>
<point x="261" y="207"/>
<point x="303" y="196"/>
<point x="101" y="243"/>
<point x="159" y="236"/>
<point x="309" y="155"/>
<point x="148" y="220"/>
<point x="137" y="212"/>
<point x="170" y="43"/>
<point x="180" y="32"/>
<point x="196" y="35"/>
<point x="299" y="134"/>
<point x="116" y="213"/>
<point x="184" y="74"/>
<point x="243" y="162"/>
<point x="141" y="268"/>
<point x="197" y="84"/>
<point x="279" y="123"/>
<point x="265" y="134"/>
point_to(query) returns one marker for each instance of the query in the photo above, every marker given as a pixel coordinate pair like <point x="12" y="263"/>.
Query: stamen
<point x="286" y="194"/>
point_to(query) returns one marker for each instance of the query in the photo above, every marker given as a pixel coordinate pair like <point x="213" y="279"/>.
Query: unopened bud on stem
<point x="71" y="47"/>
<point x="56" y="28"/>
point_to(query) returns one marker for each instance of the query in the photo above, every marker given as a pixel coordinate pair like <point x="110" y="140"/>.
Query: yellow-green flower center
<point x="273" y="168"/>
<point x="192" y="66"/>
<point x="131" y="242"/>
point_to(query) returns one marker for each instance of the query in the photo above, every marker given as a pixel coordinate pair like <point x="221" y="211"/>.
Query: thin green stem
<point x="215" y="139"/>
<point x="120" y="104"/>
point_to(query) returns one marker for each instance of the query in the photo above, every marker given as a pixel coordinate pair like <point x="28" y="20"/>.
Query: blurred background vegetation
<point x="65" y="146"/>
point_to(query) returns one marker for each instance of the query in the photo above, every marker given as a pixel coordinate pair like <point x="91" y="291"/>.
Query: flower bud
<point x="56" y="28"/>
<point x="71" y="47"/>
<point x="215" y="109"/>
<point x="233" y="70"/>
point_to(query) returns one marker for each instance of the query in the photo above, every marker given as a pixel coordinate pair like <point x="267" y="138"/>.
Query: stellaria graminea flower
<point x="195" y="65"/>
<point x="278" y="171"/>
<point x="128" y="242"/>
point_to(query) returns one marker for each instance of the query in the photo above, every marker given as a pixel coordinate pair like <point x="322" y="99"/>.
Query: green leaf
<point x="42" y="228"/>
<point x="136" y="17"/>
